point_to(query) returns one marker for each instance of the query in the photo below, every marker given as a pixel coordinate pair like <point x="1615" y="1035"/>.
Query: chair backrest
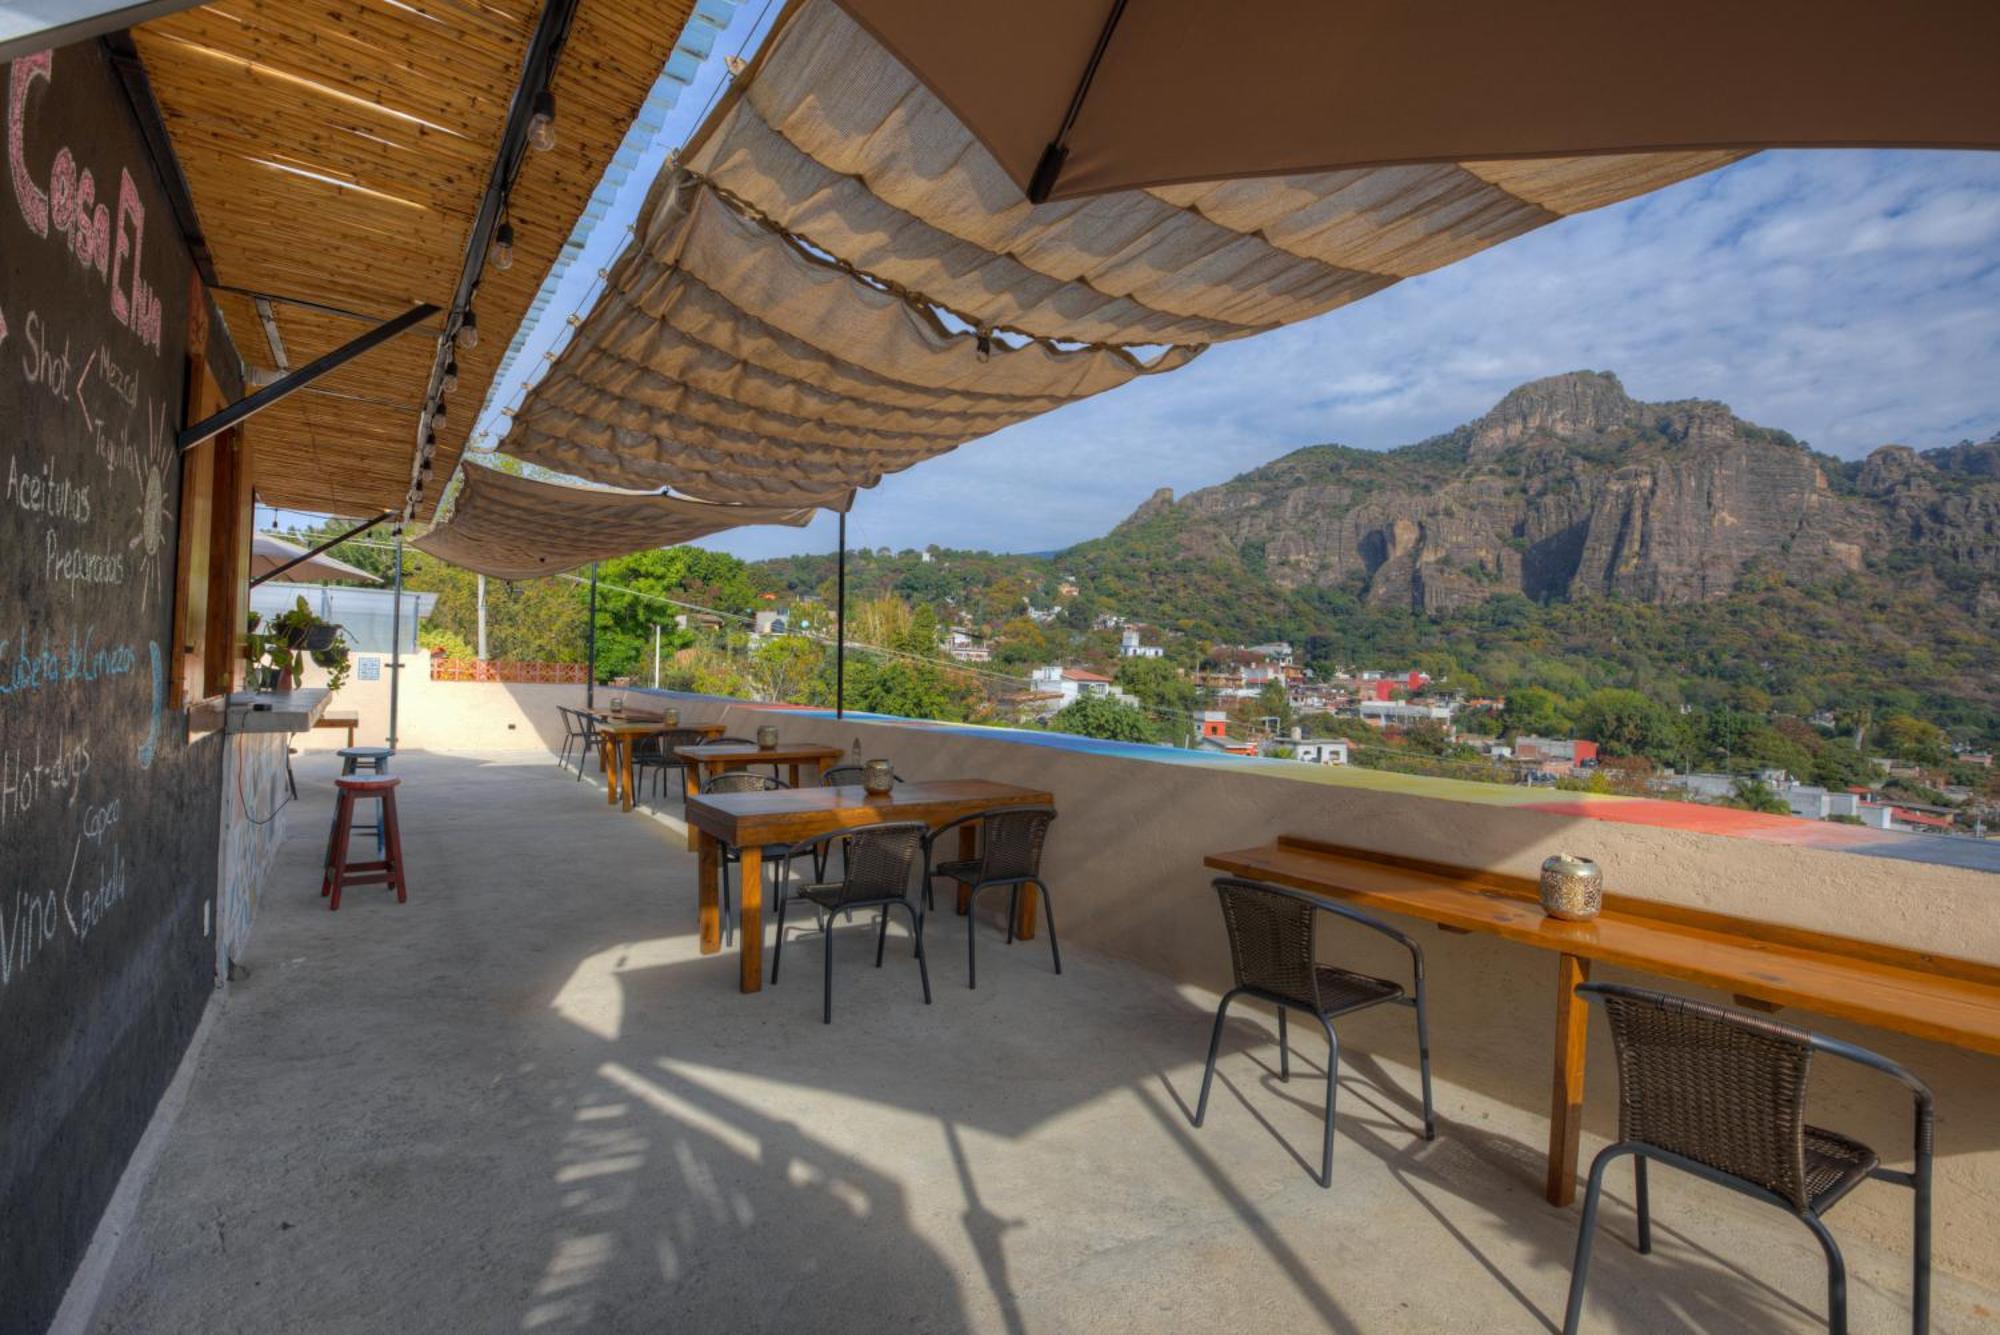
<point x="1711" y="1084"/>
<point x="664" y="743"/>
<point x="1270" y="939"/>
<point x="741" y="781"/>
<point x="733" y="741"/>
<point x="841" y="776"/>
<point x="881" y="857"/>
<point x="1010" y="842"/>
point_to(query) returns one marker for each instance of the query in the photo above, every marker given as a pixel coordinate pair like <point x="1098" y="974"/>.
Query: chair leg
<point x="1049" y="921"/>
<point x="1284" y="1048"/>
<point x="826" y="1006"/>
<point x="1214" y="1042"/>
<point x="1013" y="909"/>
<point x="778" y="947"/>
<point x="971" y="954"/>
<point x="1836" y="1277"/>
<point x="389" y="831"/>
<point x="1920" y="1251"/>
<point x="1585" y="1231"/>
<point x="882" y="936"/>
<point x="343" y="831"/>
<point x="1332" y="1087"/>
<point x="728" y="908"/>
<point x="1641" y="1202"/>
<point x="1424" y="1058"/>
<point x="923" y="968"/>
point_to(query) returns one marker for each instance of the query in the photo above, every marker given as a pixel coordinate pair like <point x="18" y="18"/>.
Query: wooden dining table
<point x="1763" y="966"/>
<point x="709" y="759"/>
<point x="617" y="735"/>
<point x="752" y="822"/>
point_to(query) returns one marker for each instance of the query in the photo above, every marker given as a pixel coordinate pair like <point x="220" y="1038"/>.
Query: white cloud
<point x="1851" y="298"/>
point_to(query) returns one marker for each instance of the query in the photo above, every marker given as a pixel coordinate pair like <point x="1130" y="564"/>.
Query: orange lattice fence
<point x="472" y="669"/>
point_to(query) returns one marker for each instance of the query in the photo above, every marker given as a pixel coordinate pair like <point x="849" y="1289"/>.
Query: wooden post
<point x="750" y="919"/>
<point x="692" y="775"/>
<point x="1566" y="1101"/>
<point x="706" y="862"/>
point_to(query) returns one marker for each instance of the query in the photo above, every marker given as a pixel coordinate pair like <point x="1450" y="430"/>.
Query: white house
<point x="1321" y="750"/>
<point x="1129" y="646"/>
<point x="1065" y="686"/>
<point x="1381" y="713"/>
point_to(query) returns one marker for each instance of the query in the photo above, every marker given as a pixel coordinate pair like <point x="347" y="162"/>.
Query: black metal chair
<point x="580" y="730"/>
<point x="744" y="741"/>
<point x="1010" y="855"/>
<point x="847" y="776"/>
<point x="738" y="781"/>
<point x="1272" y="946"/>
<point x="572" y="734"/>
<point x="1722" y="1095"/>
<point x="879" y="861"/>
<point x="654" y="755"/>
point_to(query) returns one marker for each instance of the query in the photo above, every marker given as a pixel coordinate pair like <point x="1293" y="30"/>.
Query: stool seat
<point x="387" y="869"/>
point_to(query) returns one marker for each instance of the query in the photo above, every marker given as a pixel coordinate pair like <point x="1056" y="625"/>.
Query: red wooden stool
<point x="389" y="869"/>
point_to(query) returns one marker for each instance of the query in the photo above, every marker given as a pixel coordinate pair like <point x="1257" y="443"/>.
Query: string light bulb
<point x="468" y="328"/>
<point x="502" y="253"/>
<point x="450" y="382"/>
<point x="542" y="124"/>
<point x="439" y="413"/>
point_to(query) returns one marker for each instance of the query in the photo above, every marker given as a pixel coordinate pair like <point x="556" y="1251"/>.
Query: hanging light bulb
<point x="450" y="383"/>
<point x="468" y="328"/>
<point x="542" y="124"/>
<point x="502" y="253"/>
<point x="440" y="413"/>
<point x="430" y="443"/>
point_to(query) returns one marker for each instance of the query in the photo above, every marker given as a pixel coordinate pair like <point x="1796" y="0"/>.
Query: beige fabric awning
<point x="516" y="528"/>
<point x="838" y="280"/>
<point x="1192" y="90"/>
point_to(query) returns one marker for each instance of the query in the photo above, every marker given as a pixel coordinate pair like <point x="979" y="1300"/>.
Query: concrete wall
<point x="1125" y="865"/>
<point x="255" y="808"/>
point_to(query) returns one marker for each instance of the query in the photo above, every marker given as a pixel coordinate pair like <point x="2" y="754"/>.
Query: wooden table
<point x="350" y="719"/>
<point x="709" y="759"/>
<point x="1764" y="966"/>
<point x="616" y="734"/>
<point x="750" y="822"/>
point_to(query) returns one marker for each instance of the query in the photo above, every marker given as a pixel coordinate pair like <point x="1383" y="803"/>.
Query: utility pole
<point x="656" y="655"/>
<point x="396" y="641"/>
<point x="590" y="672"/>
<point x="840" y="626"/>
<point x="482" y="618"/>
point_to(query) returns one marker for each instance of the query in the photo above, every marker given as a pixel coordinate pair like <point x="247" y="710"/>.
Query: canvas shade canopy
<point x="513" y="527"/>
<point x="836" y="280"/>
<point x="269" y="553"/>
<point x="336" y="153"/>
<point x="1195" y="90"/>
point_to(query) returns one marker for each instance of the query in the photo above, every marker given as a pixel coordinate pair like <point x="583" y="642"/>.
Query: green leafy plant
<point x="295" y="633"/>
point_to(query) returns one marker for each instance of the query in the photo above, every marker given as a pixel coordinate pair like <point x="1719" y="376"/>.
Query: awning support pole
<point x="396" y="643"/>
<point x="284" y="387"/>
<point x="840" y="626"/>
<point x="590" y="673"/>
<point x="330" y="542"/>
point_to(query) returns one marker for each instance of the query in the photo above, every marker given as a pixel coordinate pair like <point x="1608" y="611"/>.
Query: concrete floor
<point x="525" y="1102"/>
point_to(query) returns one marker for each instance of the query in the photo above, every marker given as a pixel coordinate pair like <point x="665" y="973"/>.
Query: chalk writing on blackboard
<point x="148" y="747"/>
<point x="69" y="207"/>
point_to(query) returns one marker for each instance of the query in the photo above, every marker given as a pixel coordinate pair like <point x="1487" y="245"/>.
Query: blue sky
<point x="1851" y="298"/>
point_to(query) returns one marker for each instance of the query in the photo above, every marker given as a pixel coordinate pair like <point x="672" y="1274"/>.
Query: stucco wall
<point x="444" y="715"/>
<point x="1125" y="864"/>
<point x="255" y="802"/>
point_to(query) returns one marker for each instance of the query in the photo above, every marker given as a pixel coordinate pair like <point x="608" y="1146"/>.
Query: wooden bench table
<point x="1764" y="966"/>
<point x="750" y="822"/>
<point x="709" y="759"/>
<point x="349" y="719"/>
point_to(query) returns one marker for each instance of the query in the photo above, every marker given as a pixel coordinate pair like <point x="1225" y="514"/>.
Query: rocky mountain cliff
<point x="1570" y="489"/>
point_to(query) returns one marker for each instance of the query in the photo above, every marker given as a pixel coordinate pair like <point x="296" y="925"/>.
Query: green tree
<point x="1756" y="795"/>
<point x="1915" y="740"/>
<point x="1626" y="723"/>
<point x="1159" y="686"/>
<point x="1103" y="717"/>
<point x="1536" y="712"/>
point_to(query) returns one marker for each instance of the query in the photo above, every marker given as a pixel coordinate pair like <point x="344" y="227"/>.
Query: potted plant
<point x="279" y="651"/>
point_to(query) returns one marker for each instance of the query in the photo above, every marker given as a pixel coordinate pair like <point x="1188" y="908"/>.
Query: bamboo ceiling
<point x="337" y="152"/>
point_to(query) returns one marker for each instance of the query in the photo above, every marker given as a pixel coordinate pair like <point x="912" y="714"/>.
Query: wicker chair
<point x="1010" y="855"/>
<point x="743" y="741"/>
<point x="879" y="861"/>
<point x="1272" y="943"/>
<point x="737" y="781"/>
<point x="1722" y="1095"/>
<point x="655" y="755"/>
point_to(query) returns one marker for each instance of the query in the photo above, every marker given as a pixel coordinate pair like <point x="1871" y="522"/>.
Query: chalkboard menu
<point x="108" y="816"/>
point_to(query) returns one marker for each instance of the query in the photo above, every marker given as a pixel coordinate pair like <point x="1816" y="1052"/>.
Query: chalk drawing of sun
<point x="156" y="520"/>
